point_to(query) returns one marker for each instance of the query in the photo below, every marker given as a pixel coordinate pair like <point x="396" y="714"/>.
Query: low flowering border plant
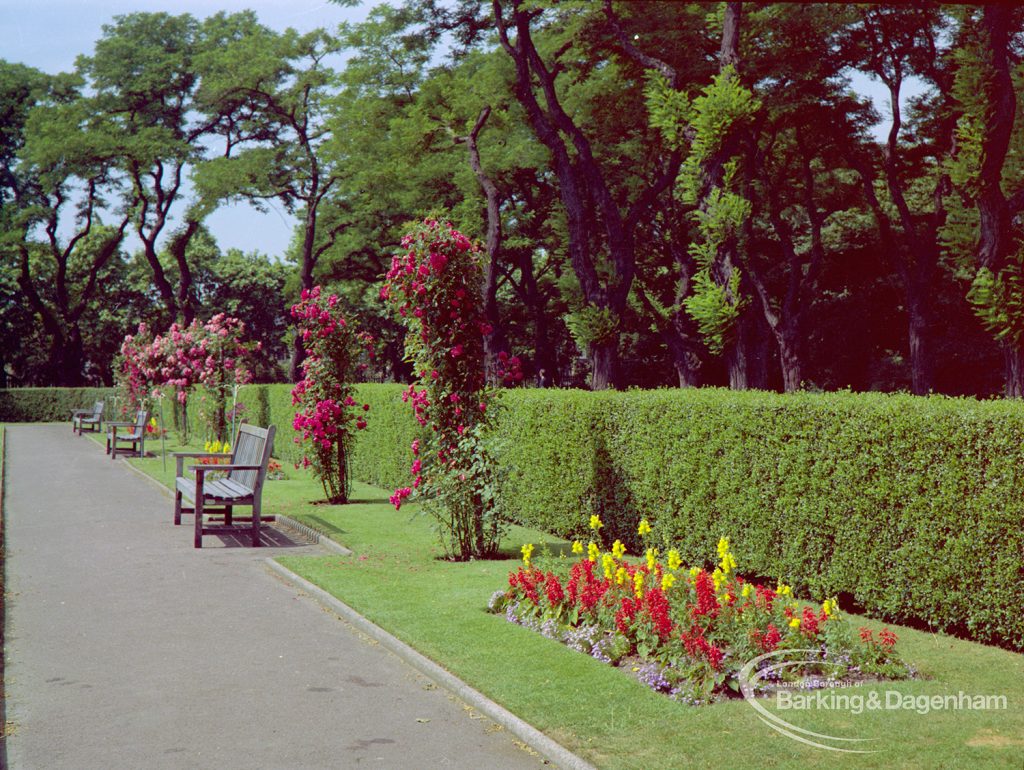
<point x="686" y="632"/>
<point x="328" y="414"/>
<point x="436" y="287"/>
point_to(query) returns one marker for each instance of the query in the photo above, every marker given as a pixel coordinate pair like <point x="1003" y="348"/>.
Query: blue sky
<point x="50" y="34"/>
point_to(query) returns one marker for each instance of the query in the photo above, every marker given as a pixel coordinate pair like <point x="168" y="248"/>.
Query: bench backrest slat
<point x="97" y="410"/>
<point x="141" y="418"/>
<point x="252" y="447"/>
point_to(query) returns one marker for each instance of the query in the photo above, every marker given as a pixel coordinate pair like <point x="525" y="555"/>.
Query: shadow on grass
<point x="369" y="501"/>
<point x="322" y="525"/>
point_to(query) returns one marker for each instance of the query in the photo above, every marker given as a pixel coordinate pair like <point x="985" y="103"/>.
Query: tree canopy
<point x="665" y="193"/>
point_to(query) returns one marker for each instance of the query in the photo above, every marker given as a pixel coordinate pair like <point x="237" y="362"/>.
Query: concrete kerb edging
<point x="525" y="732"/>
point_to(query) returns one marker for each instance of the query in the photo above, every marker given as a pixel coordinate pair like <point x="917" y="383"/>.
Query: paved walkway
<point x="128" y="648"/>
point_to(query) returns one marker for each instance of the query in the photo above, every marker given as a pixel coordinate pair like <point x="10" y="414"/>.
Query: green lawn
<point x="395" y="580"/>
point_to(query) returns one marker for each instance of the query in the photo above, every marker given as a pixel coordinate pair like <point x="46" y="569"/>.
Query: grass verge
<point x="396" y="581"/>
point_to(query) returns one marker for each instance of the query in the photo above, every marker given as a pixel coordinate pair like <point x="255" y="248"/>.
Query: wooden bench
<point x="134" y="440"/>
<point x="216" y="498"/>
<point x="87" y="418"/>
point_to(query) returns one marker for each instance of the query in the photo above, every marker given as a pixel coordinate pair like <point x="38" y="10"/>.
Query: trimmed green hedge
<point x="50" y="404"/>
<point x="912" y="508"/>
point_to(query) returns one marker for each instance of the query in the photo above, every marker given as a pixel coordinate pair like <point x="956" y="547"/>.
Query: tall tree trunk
<point x="922" y="375"/>
<point x="791" y="359"/>
<point x="494" y="341"/>
<point x="603" y="358"/>
<point x="307" y="263"/>
<point x="1013" y="358"/>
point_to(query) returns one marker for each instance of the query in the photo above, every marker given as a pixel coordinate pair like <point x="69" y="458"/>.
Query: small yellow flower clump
<point x="652" y="558"/>
<point x="595" y="522"/>
<point x="608" y="563"/>
<point x="667" y="580"/>
<point x="675" y="561"/>
<point x="830" y="607"/>
<point x="638" y="584"/>
<point x="784" y="590"/>
<point x="593" y="551"/>
<point x="577" y="547"/>
<point x="527" y="551"/>
<point x="794" y="623"/>
<point x="618" y="549"/>
<point x="620" y="576"/>
<point x="645" y="528"/>
<point x="728" y="563"/>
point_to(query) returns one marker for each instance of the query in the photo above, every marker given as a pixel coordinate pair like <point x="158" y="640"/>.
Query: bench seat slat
<point x="222" y="489"/>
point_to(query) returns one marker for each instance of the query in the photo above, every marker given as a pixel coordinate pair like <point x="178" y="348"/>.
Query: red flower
<point x="707" y="602"/>
<point x="887" y="638"/>
<point x="553" y="589"/>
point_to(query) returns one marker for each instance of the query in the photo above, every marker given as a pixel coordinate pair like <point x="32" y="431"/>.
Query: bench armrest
<point x="179" y="458"/>
<point x="216" y="468"/>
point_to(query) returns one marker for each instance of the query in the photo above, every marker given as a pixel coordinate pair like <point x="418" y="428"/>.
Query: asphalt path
<point x="128" y="648"/>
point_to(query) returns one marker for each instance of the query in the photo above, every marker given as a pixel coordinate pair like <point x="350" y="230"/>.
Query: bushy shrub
<point x="326" y="414"/>
<point x="436" y="288"/>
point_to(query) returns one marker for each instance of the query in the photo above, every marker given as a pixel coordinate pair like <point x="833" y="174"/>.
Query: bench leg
<point x="199" y="521"/>
<point x="228" y="515"/>
<point x="256" y="523"/>
<point x="177" y="507"/>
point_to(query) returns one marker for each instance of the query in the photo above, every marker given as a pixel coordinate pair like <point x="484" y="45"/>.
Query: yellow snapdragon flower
<point x="527" y="551"/>
<point x="638" y="584"/>
<point x="794" y="623"/>
<point x="652" y="558"/>
<point x="593" y="551"/>
<point x="667" y="580"/>
<point x="608" y="562"/>
<point x="719" y="577"/>
<point x="618" y="549"/>
<point x="728" y="563"/>
<point x="675" y="561"/>
<point x="830" y="607"/>
<point x="746" y="590"/>
<point x="577" y="547"/>
<point x="620" y="576"/>
<point x="644" y="529"/>
<point x="784" y="590"/>
<point x="595" y="522"/>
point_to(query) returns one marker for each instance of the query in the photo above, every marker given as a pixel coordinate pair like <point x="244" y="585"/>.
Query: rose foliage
<point x="327" y="414"/>
<point x="436" y="286"/>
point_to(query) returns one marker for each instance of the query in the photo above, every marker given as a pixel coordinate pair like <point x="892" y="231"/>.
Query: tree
<point x="600" y="230"/>
<point x="65" y="153"/>
<point x="985" y="242"/>
<point x="144" y="77"/>
<point x="277" y="88"/>
<point x="894" y="44"/>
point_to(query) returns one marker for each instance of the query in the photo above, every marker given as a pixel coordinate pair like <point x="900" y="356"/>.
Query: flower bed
<point x="689" y="632"/>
